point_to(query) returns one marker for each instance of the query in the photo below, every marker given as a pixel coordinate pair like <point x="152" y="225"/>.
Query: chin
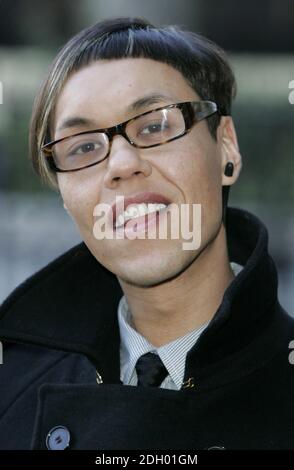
<point x="152" y="272"/>
<point x="144" y="279"/>
<point x="144" y="265"/>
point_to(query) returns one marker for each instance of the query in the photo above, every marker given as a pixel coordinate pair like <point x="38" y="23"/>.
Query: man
<point x="133" y="342"/>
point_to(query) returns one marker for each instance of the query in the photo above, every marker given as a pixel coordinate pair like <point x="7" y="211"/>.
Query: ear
<point x="227" y="138"/>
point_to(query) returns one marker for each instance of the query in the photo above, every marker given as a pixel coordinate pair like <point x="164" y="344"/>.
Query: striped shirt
<point x="173" y="355"/>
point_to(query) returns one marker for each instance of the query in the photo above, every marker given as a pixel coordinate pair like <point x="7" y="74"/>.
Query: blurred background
<point x="259" y="39"/>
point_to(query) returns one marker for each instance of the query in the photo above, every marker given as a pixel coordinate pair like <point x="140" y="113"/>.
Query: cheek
<point x="195" y="169"/>
<point x="80" y="195"/>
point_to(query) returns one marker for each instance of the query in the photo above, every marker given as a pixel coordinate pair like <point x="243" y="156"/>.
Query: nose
<point x="124" y="162"/>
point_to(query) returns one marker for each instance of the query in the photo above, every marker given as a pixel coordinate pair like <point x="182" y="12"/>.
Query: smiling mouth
<point x="139" y="207"/>
<point x="140" y="212"/>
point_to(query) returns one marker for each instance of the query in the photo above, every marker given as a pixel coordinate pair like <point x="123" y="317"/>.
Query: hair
<point x="202" y="63"/>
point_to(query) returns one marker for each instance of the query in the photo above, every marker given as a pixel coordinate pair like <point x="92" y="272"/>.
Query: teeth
<point x="137" y="210"/>
<point x="119" y="220"/>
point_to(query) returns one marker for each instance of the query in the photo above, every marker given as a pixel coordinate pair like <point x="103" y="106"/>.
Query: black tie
<point x="150" y="370"/>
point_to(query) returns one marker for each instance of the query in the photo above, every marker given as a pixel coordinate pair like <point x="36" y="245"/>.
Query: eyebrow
<point x="140" y="103"/>
<point x="147" y="100"/>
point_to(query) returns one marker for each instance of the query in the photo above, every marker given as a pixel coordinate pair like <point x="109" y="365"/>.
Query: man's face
<point x="185" y="171"/>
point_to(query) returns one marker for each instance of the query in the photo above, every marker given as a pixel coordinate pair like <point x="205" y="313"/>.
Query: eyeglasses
<point x="150" y="129"/>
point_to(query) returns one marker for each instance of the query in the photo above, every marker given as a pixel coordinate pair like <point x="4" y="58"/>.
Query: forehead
<point x="107" y="88"/>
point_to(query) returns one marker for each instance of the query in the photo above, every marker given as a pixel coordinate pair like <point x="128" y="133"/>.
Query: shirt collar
<point x="173" y="354"/>
<point x="134" y="345"/>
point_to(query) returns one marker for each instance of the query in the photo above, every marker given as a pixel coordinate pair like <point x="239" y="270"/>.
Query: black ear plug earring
<point x="229" y="170"/>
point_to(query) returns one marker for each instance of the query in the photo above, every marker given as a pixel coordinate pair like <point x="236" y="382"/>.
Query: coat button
<point x="58" y="438"/>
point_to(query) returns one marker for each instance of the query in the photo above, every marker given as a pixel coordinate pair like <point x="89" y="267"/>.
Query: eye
<point x="86" y="147"/>
<point x="154" y="128"/>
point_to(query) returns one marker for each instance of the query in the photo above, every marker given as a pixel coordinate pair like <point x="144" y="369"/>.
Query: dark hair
<point x="202" y="63"/>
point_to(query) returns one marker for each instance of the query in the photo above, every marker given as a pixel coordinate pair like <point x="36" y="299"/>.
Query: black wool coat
<point x="61" y="368"/>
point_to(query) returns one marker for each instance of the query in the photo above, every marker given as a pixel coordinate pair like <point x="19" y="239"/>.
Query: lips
<point x="148" y="197"/>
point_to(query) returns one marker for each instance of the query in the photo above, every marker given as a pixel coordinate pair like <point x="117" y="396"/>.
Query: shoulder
<point x="69" y="283"/>
<point x="72" y="258"/>
<point x="67" y="308"/>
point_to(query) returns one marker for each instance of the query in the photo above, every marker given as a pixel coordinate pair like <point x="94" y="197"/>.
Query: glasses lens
<point x="80" y="151"/>
<point x="156" y="127"/>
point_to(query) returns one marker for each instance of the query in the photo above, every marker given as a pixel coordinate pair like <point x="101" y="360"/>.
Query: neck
<point x="170" y="310"/>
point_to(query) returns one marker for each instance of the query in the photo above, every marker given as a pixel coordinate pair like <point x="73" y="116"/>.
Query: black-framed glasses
<point x="149" y="129"/>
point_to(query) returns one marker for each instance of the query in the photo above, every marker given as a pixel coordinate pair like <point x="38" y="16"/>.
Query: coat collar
<point x="71" y="304"/>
